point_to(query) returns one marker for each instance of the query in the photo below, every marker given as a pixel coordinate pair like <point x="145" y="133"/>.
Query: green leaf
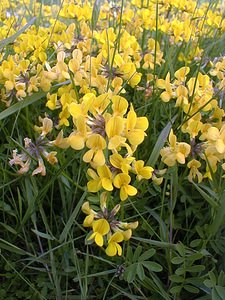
<point x="219" y="218"/>
<point x="95" y="13"/>
<point x="129" y="254"/>
<point x="27" y="101"/>
<point x="195" y="243"/>
<point x="147" y="254"/>
<point x="160" y="143"/>
<point x="154" y="242"/>
<point x="180" y="271"/>
<point x="195" y="256"/>
<point x="220" y="291"/>
<point x="176" y="278"/>
<point x="215" y="295"/>
<point x="152" y="266"/>
<point x="221" y="278"/>
<point x="72" y="217"/>
<point x="11" y="248"/>
<point x="43" y="235"/>
<point x="208" y="283"/>
<point x="195" y="269"/>
<point x="140" y="271"/>
<point x="9" y="228"/>
<point x="137" y="253"/>
<point x="12" y="38"/>
<point x="181" y="249"/>
<point x="177" y="260"/>
<point x="176" y="289"/>
<point x="208" y="198"/>
<point x="130" y="273"/>
<point x="191" y="289"/>
<point x="212" y="277"/>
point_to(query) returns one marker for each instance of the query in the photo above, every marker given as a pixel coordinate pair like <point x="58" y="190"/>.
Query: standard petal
<point x="111" y="249"/>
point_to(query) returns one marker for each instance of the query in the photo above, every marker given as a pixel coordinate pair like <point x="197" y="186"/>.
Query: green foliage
<point x="138" y="264"/>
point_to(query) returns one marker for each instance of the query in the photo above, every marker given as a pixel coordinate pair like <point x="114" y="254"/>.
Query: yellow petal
<point x="213" y="133"/>
<point x="131" y="190"/>
<point x="75" y="110"/>
<point x="131" y="119"/>
<point x="127" y="234"/>
<point x="119" y="105"/>
<point x="119" y="249"/>
<point x="123" y="194"/>
<point x="146" y="172"/>
<point x="107" y="184"/>
<point x="142" y="123"/>
<point x="99" y="239"/>
<point x="111" y="249"/>
<point x="99" y="158"/>
<point x="136" y="137"/>
<point x="94" y="186"/>
<point x="88" y="156"/>
<point x="88" y="220"/>
<point x="220" y="147"/>
<point x="114" y="126"/>
<point x="101" y="226"/>
<point x="165" y="96"/>
<point x="86" y="208"/>
<point x="115" y="142"/>
<point x="76" y="141"/>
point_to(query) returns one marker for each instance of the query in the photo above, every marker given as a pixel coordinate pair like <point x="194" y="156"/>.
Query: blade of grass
<point x="12" y="38"/>
<point x="160" y="142"/>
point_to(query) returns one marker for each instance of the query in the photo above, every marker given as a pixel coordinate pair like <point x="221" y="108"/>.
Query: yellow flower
<point x="175" y="152"/>
<point x="76" y="109"/>
<point x="113" y="247"/>
<point x="100" y="228"/>
<point x="118" y="162"/>
<point x="114" y="126"/>
<point x="96" y="144"/>
<point x="103" y="178"/>
<point x="46" y="127"/>
<point x="142" y="171"/>
<point x="167" y="86"/>
<point x="121" y="181"/>
<point x="135" y="128"/>
<point x="194" y="165"/>
<point x="90" y="214"/>
<point x="119" y="105"/>
<point x="217" y="138"/>
<point x="77" y="138"/>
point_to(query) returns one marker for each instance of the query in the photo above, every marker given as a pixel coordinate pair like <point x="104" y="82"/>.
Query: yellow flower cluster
<point x="84" y="66"/>
<point x="195" y="96"/>
<point x="106" y="229"/>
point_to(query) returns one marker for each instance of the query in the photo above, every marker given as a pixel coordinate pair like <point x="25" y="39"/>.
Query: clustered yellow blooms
<point x="195" y="96"/>
<point x="111" y="134"/>
<point x="106" y="229"/>
<point x="90" y="67"/>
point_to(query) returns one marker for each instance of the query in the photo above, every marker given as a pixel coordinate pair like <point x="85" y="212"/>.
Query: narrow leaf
<point x="152" y="266"/>
<point x="160" y="142"/>
<point x="43" y="235"/>
<point x="95" y="14"/>
<point x="208" y="198"/>
<point x="73" y="216"/>
<point x="12" y="38"/>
